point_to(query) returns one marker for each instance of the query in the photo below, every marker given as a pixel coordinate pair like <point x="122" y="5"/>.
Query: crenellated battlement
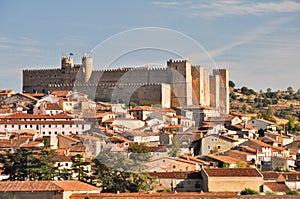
<point x="103" y="85"/>
<point x="126" y="69"/>
<point x="42" y="70"/>
<point x="179" y="61"/>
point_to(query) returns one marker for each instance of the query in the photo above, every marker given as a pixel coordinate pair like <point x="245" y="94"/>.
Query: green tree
<point x="244" y="108"/>
<point x="233" y="96"/>
<point x="23" y="164"/>
<point x="290" y="89"/>
<point x="248" y="191"/>
<point x="269" y="90"/>
<point x="79" y="167"/>
<point x="118" y="161"/>
<point x="245" y="90"/>
<point x="231" y="84"/>
<point x="292" y="107"/>
<point x="175" y="148"/>
<point x="139" y="152"/>
<point x="112" y="180"/>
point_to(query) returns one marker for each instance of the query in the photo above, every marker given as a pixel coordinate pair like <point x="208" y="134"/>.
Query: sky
<point x="258" y="41"/>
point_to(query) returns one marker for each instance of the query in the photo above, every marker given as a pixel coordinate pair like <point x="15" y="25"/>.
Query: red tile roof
<point x="62" y="158"/>
<point x="277" y="186"/>
<point x="52" y="106"/>
<point x="232" y="172"/>
<point x="141" y="108"/>
<point x="158" y="195"/>
<point x="225" y="158"/>
<point x="32" y="144"/>
<point x="21" y="115"/>
<point x="12" y="143"/>
<point x="33" y="186"/>
<point x="62" y="93"/>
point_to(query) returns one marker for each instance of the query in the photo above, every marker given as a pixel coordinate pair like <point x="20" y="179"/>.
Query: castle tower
<point x="87" y="63"/>
<point x="181" y="83"/>
<point x="204" y="86"/>
<point x="66" y="62"/>
<point x="224" y="89"/>
<point x="214" y="83"/>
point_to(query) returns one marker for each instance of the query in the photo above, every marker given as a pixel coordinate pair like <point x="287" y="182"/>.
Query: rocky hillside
<point x="277" y="106"/>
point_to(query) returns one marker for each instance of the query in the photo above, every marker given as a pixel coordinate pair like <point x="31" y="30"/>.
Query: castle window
<point x="176" y="68"/>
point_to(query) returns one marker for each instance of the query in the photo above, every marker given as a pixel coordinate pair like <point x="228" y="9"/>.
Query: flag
<point x="71" y="54"/>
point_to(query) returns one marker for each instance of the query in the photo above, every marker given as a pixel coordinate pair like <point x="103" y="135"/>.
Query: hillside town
<point x="64" y="144"/>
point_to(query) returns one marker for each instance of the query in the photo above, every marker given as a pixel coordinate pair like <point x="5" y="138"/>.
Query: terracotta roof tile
<point x="277" y="186"/>
<point x="232" y="172"/>
<point x="31" y="186"/>
<point x="62" y="158"/>
<point x="159" y="195"/>
<point x="62" y="93"/>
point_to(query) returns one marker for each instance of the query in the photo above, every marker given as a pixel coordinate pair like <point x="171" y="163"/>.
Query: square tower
<point x="181" y="83"/>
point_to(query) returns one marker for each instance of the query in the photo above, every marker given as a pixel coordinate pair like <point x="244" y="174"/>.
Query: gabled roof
<point x="27" y="95"/>
<point x="21" y="115"/>
<point x="232" y="172"/>
<point x="62" y="93"/>
<point x="61" y="158"/>
<point x="44" y="186"/>
<point x="12" y="143"/>
<point x="265" y="121"/>
<point x="52" y="106"/>
<point x="226" y="159"/>
<point x="277" y="186"/>
<point x="141" y="108"/>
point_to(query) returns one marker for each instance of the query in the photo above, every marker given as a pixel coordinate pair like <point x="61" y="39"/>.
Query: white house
<point x="262" y="124"/>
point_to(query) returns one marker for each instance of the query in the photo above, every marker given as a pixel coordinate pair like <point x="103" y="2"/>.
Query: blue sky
<point x="258" y="41"/>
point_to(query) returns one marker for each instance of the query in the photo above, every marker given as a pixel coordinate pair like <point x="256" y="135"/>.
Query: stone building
<point x="179" y="84"/>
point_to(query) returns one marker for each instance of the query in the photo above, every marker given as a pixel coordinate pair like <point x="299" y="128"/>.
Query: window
<point x="174" y="166"/>
<point x="55" y="132"/>
<point x="82" y="127"/>
<point x="219" y="147"/>
<point x="63" y="126"/>
<point x="188" y="182"/>
<point x="67" y="164"/>
<point x="63" y="132"/>
<point x="208" y="146"/>
<point x="30" y="125"/>
<point x="49" y="132"/>
<point x="25" y="125"/>
<point x="49" y="125"/>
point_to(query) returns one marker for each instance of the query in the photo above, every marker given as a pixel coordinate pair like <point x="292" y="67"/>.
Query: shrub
<point x="248" y="191"/>
<point x="292" y="192"/>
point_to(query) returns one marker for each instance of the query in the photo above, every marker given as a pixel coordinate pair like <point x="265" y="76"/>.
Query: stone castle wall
<point x="188" y="85"/>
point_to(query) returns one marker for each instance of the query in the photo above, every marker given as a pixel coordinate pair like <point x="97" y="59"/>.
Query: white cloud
<point x="231" y="7"/>
<point x="251" y="36"/>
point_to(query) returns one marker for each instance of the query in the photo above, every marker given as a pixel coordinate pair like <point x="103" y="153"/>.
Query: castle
<point x="179" y="84"/>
